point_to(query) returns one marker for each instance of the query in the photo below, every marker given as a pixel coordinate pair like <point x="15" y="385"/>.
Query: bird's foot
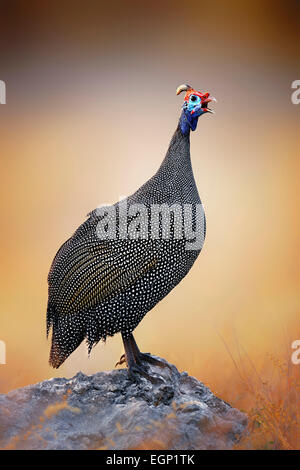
<point x="135" y="371"/>
<point x="121" y="361"/>
<point x="146" y="357"/>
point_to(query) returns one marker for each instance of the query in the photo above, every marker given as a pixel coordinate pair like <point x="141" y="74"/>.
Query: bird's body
<point x="99" y="286"/>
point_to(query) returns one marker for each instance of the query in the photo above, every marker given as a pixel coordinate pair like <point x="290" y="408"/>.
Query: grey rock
<point x="109" y="411"/>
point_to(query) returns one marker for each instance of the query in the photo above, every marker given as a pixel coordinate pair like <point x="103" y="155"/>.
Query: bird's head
<point x="195" y="104"/>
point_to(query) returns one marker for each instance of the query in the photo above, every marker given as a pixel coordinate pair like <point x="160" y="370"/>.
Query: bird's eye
<point x="193" y="98"/>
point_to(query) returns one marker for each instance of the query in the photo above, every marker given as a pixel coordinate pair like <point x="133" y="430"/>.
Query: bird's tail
<point x="67" y="335"/>
<point x="57" y="355"/>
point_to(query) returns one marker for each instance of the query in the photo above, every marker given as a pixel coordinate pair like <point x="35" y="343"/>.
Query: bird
<point x="126" y="257"/>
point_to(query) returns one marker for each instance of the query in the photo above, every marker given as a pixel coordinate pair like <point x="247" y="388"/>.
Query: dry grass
<point x="270" y="395"/>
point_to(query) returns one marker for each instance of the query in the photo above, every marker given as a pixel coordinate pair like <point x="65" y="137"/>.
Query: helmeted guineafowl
<point x="126" y="257"/>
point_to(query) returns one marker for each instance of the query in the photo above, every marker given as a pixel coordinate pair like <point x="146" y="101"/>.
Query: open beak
<point x="205" y="101"/>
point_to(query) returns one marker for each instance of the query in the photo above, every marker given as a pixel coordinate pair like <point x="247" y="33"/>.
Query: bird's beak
<point x="205" y="102"/>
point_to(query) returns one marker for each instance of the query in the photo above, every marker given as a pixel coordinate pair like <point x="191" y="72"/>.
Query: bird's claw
<point x="135" y="371"/>
<point x="121" y="361"/>
<point x="146" y="357"/>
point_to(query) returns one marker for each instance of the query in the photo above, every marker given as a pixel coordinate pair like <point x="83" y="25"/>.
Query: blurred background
<point x="90" y="111"/>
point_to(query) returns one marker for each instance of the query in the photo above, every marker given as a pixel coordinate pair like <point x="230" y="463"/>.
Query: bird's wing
<point x="86" y="270"/>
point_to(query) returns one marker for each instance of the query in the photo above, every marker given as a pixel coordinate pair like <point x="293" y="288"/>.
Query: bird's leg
<point x="135" y="350"/>
<point x="137" y="353"/>
<point x="133" y="367"/>
<point x="144" y="357"/>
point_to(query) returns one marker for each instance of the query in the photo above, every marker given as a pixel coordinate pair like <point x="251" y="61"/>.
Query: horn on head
<point x="183" y="87"/>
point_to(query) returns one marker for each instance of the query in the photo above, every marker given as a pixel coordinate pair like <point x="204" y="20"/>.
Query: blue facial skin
<point x="187" y="119"/>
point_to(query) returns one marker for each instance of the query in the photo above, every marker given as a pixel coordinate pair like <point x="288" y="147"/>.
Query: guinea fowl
<point x="126" y="257"/>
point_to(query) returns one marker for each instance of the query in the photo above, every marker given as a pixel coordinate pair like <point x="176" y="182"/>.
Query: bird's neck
<point x="178" y="157"/>
<point x="176" y="168"/>
<point x="187" y="122"/>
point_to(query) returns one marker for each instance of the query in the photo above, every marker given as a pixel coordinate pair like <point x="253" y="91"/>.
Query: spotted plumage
<point x="100" y="287"/>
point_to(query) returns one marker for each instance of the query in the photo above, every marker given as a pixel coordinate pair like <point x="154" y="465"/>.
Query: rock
<point x="109" y="411"/>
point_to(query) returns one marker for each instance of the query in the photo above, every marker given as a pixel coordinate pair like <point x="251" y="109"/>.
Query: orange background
<point x="90" y="110"/>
